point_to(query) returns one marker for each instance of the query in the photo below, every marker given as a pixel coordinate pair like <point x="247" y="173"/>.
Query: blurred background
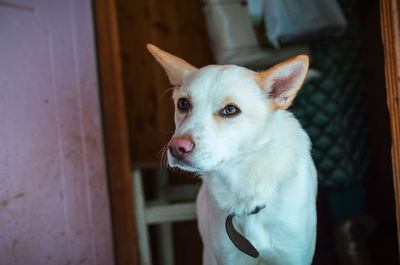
<point x="342" y="106"/>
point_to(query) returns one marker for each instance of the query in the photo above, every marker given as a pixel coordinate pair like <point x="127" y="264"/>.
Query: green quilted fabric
<point x="331" y="108"/>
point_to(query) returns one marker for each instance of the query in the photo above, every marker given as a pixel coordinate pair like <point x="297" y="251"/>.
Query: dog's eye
<point x="183" y="104"/>
<point x="230" y="110"/>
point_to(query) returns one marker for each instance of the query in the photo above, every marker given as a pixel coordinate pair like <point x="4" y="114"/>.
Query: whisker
<point x="163" y="156"/>
<point x="166" y="91"/>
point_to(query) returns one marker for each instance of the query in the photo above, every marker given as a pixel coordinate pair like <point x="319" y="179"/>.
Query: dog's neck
<point x="239" y="187"/>
<point x="238" y="192"/>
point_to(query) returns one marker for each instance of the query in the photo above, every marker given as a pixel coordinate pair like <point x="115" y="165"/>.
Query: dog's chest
<point x="256" y="229"/>
<point x="283" y="232"/>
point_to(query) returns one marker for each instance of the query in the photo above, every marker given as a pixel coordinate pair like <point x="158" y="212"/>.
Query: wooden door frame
<point x="390" y="27"/>
<point x="115" y="132"/>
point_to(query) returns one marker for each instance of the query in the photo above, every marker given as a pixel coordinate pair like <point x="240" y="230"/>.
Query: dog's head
<point x="222" y="112"/>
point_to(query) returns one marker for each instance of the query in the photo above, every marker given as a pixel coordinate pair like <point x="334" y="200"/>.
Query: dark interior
<point x="179" y="27"/>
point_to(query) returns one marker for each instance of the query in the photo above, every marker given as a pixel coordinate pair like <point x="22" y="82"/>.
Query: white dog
<point x="257" y="202"/>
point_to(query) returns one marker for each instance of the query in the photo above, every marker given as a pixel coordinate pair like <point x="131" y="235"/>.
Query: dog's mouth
<point x="191" y="166"/>
<point x="183" y="164"/>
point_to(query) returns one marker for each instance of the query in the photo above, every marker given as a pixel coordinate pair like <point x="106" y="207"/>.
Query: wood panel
<point x="177" y="26"/>
<point x="116" y="133"/>
<point x="390" y="25"/>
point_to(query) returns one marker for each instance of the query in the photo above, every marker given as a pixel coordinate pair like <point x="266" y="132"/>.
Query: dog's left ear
<point x="174" y="66"/>
<point x="283" y="81"/>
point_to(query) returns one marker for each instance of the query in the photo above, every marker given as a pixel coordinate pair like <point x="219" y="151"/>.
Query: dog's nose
<point x="181" y="146"/>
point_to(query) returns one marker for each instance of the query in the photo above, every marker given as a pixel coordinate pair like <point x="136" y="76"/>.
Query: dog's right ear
<point x="174" y="66"/>
<point x="283" y="81"/>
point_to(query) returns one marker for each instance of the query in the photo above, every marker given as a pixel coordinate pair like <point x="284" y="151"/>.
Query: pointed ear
<point x="282" y="81"/>
<point x="174" y="67"/>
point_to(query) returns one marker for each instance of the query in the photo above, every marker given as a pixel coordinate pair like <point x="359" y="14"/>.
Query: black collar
<point x="237" y="239"/>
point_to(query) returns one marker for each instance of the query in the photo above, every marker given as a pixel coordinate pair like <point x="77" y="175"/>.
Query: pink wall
<point x="54" y="205"/>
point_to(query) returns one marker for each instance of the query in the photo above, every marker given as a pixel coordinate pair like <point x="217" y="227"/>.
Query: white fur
<point x="259" y="157"/>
